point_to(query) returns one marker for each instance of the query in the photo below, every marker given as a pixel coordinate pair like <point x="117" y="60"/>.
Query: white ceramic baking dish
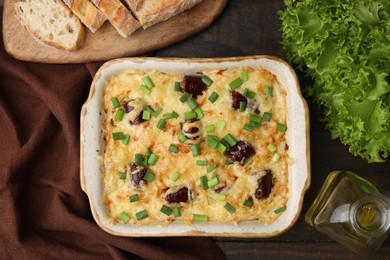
<point x="91" y="144"/>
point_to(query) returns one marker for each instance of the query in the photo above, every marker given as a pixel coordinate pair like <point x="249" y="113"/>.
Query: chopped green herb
<point x="221" y="148"/>
<point x="195" y="149"/>
<point x="211" y="167"/>
<point x="124" y="217"/>
<point x="199" y="113"/>
<point x="192" y="103"/>
<point x="134" y="198"/>
<point x="173" y="148"/>
<point x="213" y="97"/>
<point x="229" y="207"/>
<point x="203" y="182"/>
<point x="225" y="143"/>
<point x="146" y="115"/>
<point x="229" y="163"/>
<point x="152" y="159"/>
<point x="175" y="176"/>
<point x="221" y="197"/>
<point x="248" y="128"/>
<point x="189" y="115"/>
<point x="149" y="177"/>
<point x="119" y="115"/>
<point x="141" y="215"/>
<point x="118" y="136"/>
<point x="176" y="212"/>
<point x="244" y="75"/>
<point x="254" y="124"/>
<point x="201" y="162"/>
<point x="271" y="147"/>
<point x="182" y="137"/>
<point x="235" y="83"/>
<point x="209" y="128"/>
<point x="212" y="143"/>
<point x="249" y="94"/>
<point x="146" y="158"/>
<point x="138" y="159"/>
<point x="171" y="115"/>
<point x="201" y="218"/>
<point x="206" y="80"/>
<point x="126" y="139"/>
<point x="279" y="210"/>
<point x="221" y="124"/>
<point x="269" y="90"/>
<point x="212" y="182"/>
<point x="115" y="102"/>
<point x="248" y="202"/>
<point x="267" y="116"/>
<point x="242" y="106"/>
<point x="145" y="89"/>
<point x="157" y="112"/>
<point x="184" y="97"/>
<point x="150" y="108"/>
<point x="166" y="210"/>
<point x="281" y="127"/>
<point x="254" y="118"/>
<point x="275" y="158"/>
<point x="176" y="86"/>
<point x="230" y="139"/>
<point x="122" y="175"/>
<point x="148" y="82"/>
<point x="149" y="152"/>
<point x="161" y="124"/>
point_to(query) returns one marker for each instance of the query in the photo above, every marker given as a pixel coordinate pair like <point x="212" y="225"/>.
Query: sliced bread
<point x="87" y="13"/>
<point x="119" y="16"/>
<point x="51" y="22"/>
<point x="150" y="12"/>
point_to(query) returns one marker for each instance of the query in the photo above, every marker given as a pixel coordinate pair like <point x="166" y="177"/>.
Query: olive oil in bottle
<point x="352" y="211"/>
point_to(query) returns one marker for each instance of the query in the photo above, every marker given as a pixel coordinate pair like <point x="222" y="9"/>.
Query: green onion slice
<point x="182" y="137"/>
<point x="115" y="102"/>
<point x="201" y="162"/>
<point x="145" y="89"/>
<point x="176" y="86"/>
<point x="173" y="148"/>
<point x="213" y="97"/>
<point x="161" y="124"/>
<point x="254" y="124"/>
<point x="275" y="158"/>
<point x="192" y="103"/>
<point x="212" y="182"/>
<point x="118" y="136"/>
<point x="235" y="83"/>
<point x="221" y="148"/>
<point x="152" y="159"/>
<point x="195" y="149"/>
<point x="201" y="218"/>
<point x="269" y="90"/>
<point x="267" y="116"/>
<point x="146" y="115"/>
<point x="199" y="113"/>
<point x="248" y="128"/>
<point x="184" y="97"/>
<point x="126" y="139"/>
<point x="248" y="202"/>
<point x="279" y="210"/>
<point x="166" y="210"/>
<point x="157" y="112"/>
<point x="124" y="217"/>
<point x="271" y="147"/>
<point x="141" y="215"/>
<point x="211" y="167"/>
<point x="190" y="115"/>
<point x="229" y="207"/>
<point x="122" y="175"/>
<point x="203" y="182"/>
<point x="138" y="159"/>
<point x="206" y="80"/>
<point x="176" y="212"/>
<point x="244" y="75"/>
<point x="119" y="115"/>
<point x="148" y="82"/>
<point x="221" y="124"/>
<point x="134" y="198"/>
<point x="254" y="118"/>
<point x="149" y="177"/>
<point x="175" y="176"/>
<point x="221" y="197"/>
<point x="230" y="139"/>
<point x="209" y="128"/>
<point x="281" y="127"/>
<point x="242" y="106"/>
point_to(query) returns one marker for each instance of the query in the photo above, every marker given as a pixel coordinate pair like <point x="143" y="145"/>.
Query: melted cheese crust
<point x="240" y="181"/>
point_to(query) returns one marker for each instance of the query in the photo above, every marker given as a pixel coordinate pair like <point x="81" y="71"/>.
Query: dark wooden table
<point x="251" y="27"/>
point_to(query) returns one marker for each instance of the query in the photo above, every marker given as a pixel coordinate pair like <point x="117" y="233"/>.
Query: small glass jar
<point x="351" y="211"/>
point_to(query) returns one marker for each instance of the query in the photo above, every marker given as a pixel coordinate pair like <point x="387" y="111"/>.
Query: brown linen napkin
<point x="44" y="212"/>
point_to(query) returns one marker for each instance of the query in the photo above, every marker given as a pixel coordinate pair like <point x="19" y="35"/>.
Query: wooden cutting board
<point x="106" y="43"/>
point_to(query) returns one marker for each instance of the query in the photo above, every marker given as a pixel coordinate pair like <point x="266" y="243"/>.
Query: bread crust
<point x="119" y="16"/>
<point x="150" y="12"/>
<point x="87" y="13"/>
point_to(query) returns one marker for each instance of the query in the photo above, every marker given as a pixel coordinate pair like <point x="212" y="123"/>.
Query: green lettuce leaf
<point x="344" y="45"/>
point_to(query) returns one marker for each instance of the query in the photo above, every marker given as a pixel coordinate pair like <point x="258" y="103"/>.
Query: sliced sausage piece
<point x="137" y="174"/>
<point x="191" y="129"/>
<point x="182" y="195"/>
<point x="134" y="109"/>
<point x="193" y="85"/>
<point x="265" y="186"/>
<point x="240" y="151"/>
<point x="237" y="98"/>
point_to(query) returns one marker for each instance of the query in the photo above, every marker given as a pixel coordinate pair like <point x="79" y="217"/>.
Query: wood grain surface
<point x="106" y="43"/>
<point x="252" y="27"/>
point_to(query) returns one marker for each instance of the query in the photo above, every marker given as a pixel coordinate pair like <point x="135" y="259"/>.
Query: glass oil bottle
<point x="351" y="211"/>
